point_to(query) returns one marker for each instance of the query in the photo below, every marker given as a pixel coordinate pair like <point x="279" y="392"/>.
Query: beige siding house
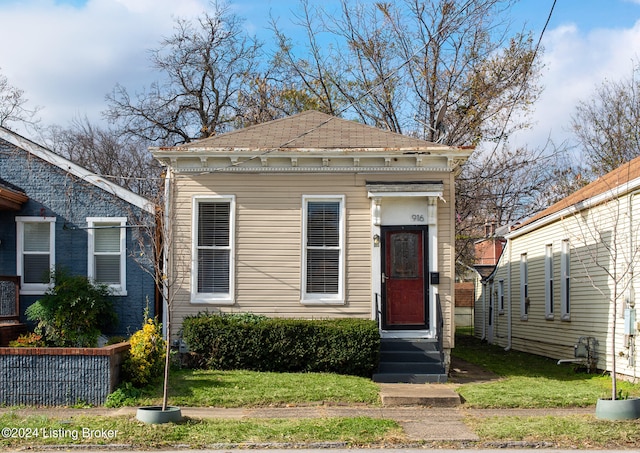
<point x="568" y="275"/>
<point x="313" y="216"/>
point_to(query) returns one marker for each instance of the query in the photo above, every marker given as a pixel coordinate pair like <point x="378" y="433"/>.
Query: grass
<point x="40" y="430"/>
<point x="212" y="388"/>
<point x="530" y="381"/>
<point x="526" y="381"/>
<point x="575" y="431"/>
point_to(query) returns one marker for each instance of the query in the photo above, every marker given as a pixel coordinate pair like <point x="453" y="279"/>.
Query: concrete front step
<point x="432" y="395"/>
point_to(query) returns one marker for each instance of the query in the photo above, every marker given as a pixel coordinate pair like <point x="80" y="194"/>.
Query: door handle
<point x="384" y="278"/>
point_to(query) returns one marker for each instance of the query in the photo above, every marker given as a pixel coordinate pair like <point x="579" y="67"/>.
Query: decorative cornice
<point x="237" y="169"/>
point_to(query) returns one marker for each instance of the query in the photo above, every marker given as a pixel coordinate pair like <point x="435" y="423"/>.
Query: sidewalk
<point x="419" y="423"/>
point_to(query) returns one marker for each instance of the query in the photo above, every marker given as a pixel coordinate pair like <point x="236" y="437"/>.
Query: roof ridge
<point x="599" y="186"/>
<point x="67" y="165"/>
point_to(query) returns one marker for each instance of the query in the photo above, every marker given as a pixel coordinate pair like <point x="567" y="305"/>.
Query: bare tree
<point x="13" y="105"/>
<point x="502" y="187"/>
<point x="202" y="68"/>
<point x="420" y="68"/>
<point x="110" y="153"/>
<point x="607" y="125"/>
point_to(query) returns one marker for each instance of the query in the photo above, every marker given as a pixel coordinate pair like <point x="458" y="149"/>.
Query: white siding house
<point x="570" y="273"/>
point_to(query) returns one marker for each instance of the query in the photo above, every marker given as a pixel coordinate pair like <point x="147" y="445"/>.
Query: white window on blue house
<point x="213" y="250"/>
<point x="107" y="252"/>
<point x="548" y="274"/>
<point x="35" y="253"/>
<point x="323" y="249"/>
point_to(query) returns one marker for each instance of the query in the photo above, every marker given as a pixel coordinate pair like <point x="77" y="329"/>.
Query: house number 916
<point x="417" y="218"/>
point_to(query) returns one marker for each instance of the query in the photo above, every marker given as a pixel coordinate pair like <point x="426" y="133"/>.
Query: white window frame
<point x="94" y="223"/>
<point x="34" y="288"/>
<point x="227" y="298"/>
<point x="548" y="278"/>
<point x="524" y="287"/>
<point x="500" y="297"/>
<point x="565" y="278"/>
<point x="324" y="298"/>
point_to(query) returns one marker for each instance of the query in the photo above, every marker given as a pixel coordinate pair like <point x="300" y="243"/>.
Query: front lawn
<point x="212" y="388"/>
<point x="530" y="381"/>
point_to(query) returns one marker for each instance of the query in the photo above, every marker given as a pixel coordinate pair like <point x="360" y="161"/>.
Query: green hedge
<point x="253" y="342"/>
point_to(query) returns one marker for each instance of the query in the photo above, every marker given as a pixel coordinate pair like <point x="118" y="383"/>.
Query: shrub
<point x="246" y="341"/>
<point x="28" y="340"/>
<point x="145" y="360"/>
<point x="73" y="312"/>
<point x="124" y="395"/>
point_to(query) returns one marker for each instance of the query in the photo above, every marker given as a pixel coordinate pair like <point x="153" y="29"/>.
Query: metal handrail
<point x="439" y="324"/>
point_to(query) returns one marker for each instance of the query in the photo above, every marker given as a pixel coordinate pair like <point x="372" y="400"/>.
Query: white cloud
<point x="575" y="64"/>
<point x="67" y="58"/>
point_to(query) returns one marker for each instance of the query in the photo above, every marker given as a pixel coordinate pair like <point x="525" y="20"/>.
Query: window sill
<point x="322" y="302"/>
<point x="203" y="300"/>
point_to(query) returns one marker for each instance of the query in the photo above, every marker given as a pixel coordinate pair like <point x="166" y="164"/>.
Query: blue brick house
<point x="55" y="214"/>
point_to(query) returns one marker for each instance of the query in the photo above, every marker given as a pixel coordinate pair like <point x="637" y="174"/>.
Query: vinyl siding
<point x="590" y="308"/>
<point x="268" y="242"/>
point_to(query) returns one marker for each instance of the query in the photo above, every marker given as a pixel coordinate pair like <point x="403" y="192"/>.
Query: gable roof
<point x="76" y="170"/>
<point x="617" y="182"/>
<point x="311" y="130"/>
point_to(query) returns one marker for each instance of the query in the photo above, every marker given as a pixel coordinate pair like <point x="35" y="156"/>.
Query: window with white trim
<point x="107" y="252"/>
<point x="500" y="296"/>
<point x="548" y="278"/>
<point x="323" y="249"/>
<point x="565" y="276"/>
<point x="213" y="250"/>
<point x="35" y="253"/>
<point x="524" y="287"/>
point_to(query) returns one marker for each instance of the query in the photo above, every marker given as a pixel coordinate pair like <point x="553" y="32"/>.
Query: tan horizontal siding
<point x="269" y="239"/>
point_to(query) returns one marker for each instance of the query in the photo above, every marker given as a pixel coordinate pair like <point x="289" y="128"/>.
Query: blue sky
<point x="67" y="54"/>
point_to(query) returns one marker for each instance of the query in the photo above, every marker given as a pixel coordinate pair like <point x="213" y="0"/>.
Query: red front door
<point x="404" y="278"/>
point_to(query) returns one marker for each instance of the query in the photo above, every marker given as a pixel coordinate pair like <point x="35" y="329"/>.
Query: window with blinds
<point x="323" y="248"/>
<point x="35" y="253"/>
<point x="107" y="252"/>
<point x="213" y="247"/>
